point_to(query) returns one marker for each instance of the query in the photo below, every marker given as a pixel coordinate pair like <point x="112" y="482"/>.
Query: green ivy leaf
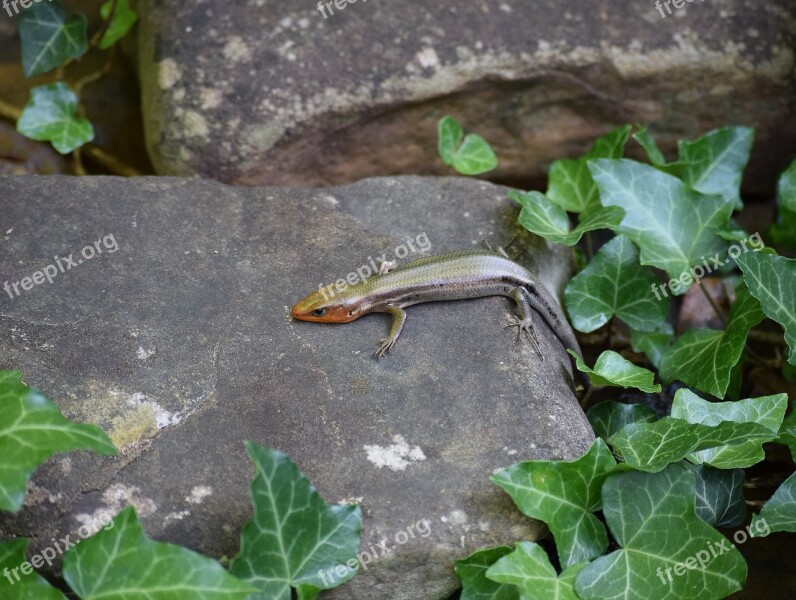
<point x="473" y="156"/>
<point x="719" y="495"/>
<point x="714" y="163"/>
<point x="647" y="141"/>
<point x="614" y="371"/>
<point x="783" y="232"/>
<point x="120" y="563"/>
<point x="529" y="569"/>
<point x="652" y="518"/>
<point x="50" y="116"/>
<point x="570" y="183"/>
<point x="123" y="20"/>
<point x="674" y="226"/>
<point x="475" y="585"/>
<point x="772" y="280"/>
<point x="14" y="584"/>
<point x="609" y="418"/>
<point x="564" y="494"/>
<point x="704" y="358"/>
<point x="653" y="344"/>
<point x="614" y="284"/>
<point x="767" y="411"/>
<point x="449" y="137"/>
<point x="295" y="538"/>
<point x="48" y="38"/>
<point x="32" y="431"/>
<point x="545" y="219"/>
<point x="651" y="447"/>
<point x="779" y="513"/>
<point x="787" y="432"/>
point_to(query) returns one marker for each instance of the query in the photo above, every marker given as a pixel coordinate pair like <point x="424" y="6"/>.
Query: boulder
<point x="274" y="92"/>
<point x="176" y="339"/>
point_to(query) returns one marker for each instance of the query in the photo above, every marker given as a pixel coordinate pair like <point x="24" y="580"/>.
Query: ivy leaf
<point x="783" y="232"/>
<point x="614" y="284"/>
<point x="449" y="136"/>
<point x="787" y="432"/>
<point x="609" y="418"/>
<point x="473" y="156"/>
<point x="779" y="513"/>
<point x="295" y="538"/>
<point x="570" y="183"/>
<point x="772" y="280"/>
<point x="50" y="116"/>
<point x="48" y="38"/>
<point x="714" y="164"/>
<point x="665" y="549"/>
<point x="120" y="563"/>
<point x="122" y="22"/>
<point x="614" y="371"/>
<point x="653" y="344"/>
<point x="767" y="411"/>
<point x="15" y="585"/>
<point x="651" y="447"/>
<point x="704" y="358"/>
<point x="475" y="585"/>
<point x="545" y="219"/>
<point x="32" y="431"/>
<point x="719" y="495"/>
<point x="564" y="494"/>
<point x="529" y="569"/>
<point x="674" y="226"/>
<point x="647" y="141"/>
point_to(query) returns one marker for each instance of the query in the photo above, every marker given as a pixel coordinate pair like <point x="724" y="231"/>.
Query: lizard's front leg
<point x="398" y="320"/>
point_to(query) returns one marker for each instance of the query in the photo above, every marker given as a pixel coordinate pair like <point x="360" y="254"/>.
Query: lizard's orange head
<point x="321" y="308"/>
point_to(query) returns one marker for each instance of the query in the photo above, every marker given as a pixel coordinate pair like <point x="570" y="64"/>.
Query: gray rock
<point x="179" y="344"/>
<point x="272" y="92"/>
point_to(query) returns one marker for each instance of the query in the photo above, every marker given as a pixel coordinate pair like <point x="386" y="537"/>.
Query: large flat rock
<point x="177" y="340"/>
<point x="273" y="92"/>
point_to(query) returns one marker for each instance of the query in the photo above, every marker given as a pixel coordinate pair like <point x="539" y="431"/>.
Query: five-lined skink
<point x="453" y="276"/>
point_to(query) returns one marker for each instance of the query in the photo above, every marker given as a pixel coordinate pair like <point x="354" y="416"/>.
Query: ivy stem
<point x="77" y="162"/>
<point x="104" y="27"/>
<point x="587" y="397"/>
<point x="98" y="74"/>
<point x="712" y="302"/>
<point x="10" y="112"/>
<point x="767" y="337"/>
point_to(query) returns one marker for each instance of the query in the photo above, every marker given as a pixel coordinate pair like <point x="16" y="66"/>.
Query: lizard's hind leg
<point x="524" y="324"/>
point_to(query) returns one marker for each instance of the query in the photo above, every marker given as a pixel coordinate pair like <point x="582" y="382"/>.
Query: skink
<point x="453" y="276"/>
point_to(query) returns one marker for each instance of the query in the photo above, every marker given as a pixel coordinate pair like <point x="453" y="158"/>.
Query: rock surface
<point x="179" y="344"/>
<point x="271" y="92"/>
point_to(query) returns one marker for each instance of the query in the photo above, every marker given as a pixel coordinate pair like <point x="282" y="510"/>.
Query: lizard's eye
<point x="319" y="312"/>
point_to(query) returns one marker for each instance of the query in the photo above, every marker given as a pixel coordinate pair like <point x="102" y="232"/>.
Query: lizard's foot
<point x="525" y="326"/>
<point x="384" y="348"/>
